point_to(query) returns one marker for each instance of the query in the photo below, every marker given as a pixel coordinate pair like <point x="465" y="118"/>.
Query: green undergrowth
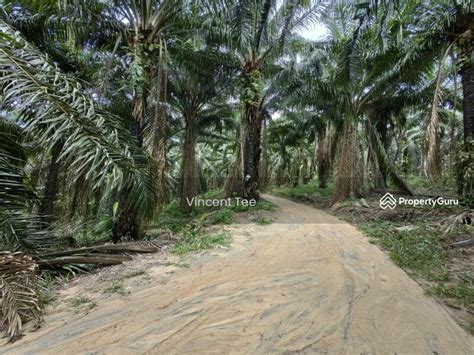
<point x="309" y="192"/>
<point x="418" y="250"/>
<point x="82" y="302"/>
<point x="116" y="287"/>
<point x="195" y="242"/>
<point x="458" y="293"/>
<point x="192" y="230"/>
<point x="172" y="218"/>
<point x="446" y="186"/>
<point x="46" y="288"/>
<point x="223" y="216"/>
<point x="417" y="242"/>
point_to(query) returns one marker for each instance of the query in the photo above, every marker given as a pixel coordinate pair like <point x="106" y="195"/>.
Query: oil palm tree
<point x="450" y="24"/>
<point x="359" y="74"/>
<point x="197" y="90"/>
<point x="53" y="108"/>
<point x="135" y="32"/>
<point x="18" y="15"/>
<point x="42" y="105"/>
<point x="145" y="27"/>
<point x="437" y="27"/>
<point x="259" y="30"/>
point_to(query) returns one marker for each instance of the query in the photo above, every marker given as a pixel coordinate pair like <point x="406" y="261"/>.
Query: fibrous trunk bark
<point x="46" y="209"/>
<point x="466" y="168"/>
<point x="381" y="126"/>
<point x="234" y="181"/>
<point x="190" y="178"/>
<point x="381" y="160"/>
<point x="251" y="151"/>
<point x="467" y="77"/>
<point x="244" y="180"/>
<point x="348" y="174"/>
<point x="324" y="157"/>
<point x="159" y="152"/>
<point x="263" y="167"/>
<point x="158" y="97"/>
<point x="127" y="224"/>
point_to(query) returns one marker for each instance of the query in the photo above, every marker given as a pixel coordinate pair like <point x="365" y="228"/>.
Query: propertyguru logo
<point x="389" y="201"/>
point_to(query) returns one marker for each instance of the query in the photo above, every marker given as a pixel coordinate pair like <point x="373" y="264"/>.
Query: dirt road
<point x="286" y="287"/>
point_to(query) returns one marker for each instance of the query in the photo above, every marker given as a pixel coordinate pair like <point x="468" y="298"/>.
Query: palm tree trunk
<point x="467" y="77"/>
<point x="248" y="154"/>
<point x="324" y="158"/>
<point x="251" y="151"/>
<point x="127" y="224"/>
<point x="374" y="166"/>
<point x="243" y="180"/>
<point x="466" y="169"/>
<point x="251" y="131"/>
<point x="263" y="167"/>
<point x="381" y="126"/>
<point x="190" y="179"/>
<point x="381" y="159"/>
<point x="233" y="184"/>
<point x="46" y="209"/>
<point x="452" y="122"/>
<point x="348" y="176"/>
<point x="158" y="78"/>
<point x="159" y="153"/>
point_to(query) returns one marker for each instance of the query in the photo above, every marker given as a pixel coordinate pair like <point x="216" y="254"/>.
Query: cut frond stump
<point x="19" y="302"/>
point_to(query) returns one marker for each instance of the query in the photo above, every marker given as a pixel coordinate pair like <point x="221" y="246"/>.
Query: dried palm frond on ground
<point x="465" y="217"/>
<point x="19" y="300"/>
<point x="108" y="254"/>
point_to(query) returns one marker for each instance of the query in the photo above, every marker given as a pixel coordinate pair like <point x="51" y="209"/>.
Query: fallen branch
<point x="462" y="243"/>
<point x="102" y="259"/>
<point x="124" y="248"/>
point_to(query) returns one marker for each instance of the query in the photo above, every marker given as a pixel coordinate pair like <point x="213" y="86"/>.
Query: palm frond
<point x="56" y="108"/>
<point x="432" y="126"/>
<point x="18" y="297"/>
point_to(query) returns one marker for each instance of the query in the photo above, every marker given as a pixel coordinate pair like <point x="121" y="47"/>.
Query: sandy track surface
<point x="282" y="288"/>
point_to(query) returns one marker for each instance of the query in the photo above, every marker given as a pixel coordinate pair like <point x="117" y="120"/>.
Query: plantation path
<point x="316" y="287"/>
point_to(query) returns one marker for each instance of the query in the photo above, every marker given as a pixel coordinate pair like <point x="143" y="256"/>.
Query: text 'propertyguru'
<point x="440" y="201"/>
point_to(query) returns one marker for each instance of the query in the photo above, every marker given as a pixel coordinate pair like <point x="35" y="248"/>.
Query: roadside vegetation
<point x="82" y="303"/>
<point x="194" y="232"/>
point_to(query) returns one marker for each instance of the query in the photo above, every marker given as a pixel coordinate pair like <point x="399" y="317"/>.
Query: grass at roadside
<point x="172" y="219"/>
<point x="418" y="249"/>
<point x="422" y="252"/>
<point x="194" y="242"/>
<point x="82" y="303"/>
<point x="459" y="293"/>
<point x="116" y="287"/>
<point x="306" y="193"/>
